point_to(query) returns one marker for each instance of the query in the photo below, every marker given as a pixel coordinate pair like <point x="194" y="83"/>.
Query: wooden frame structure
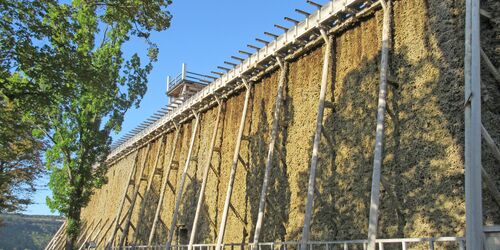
<point x="318" y="27"/>
<point x="271" y="148"/>
<point x="180" y="188"/>
<point x="205" y="174"/>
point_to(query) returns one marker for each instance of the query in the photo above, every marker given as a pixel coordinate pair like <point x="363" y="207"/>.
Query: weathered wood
<point x="473" y="188"/>
<point x="180" y="188"/>
<point x="205" y="177"/>
<point x="87" y="236"/>
<point x="55" y="237"/>
<point x="490" y="66"/>
<point x="317" y="137"/>
<point x="124" y="197"/>
<point x="490" y="185"/>
<point x="166" y="175"/>
<point x="95" y="237"/>
<point x="135" y="193"/>
<point x="271" y="148"/>
<point x="379" y="134"/>
<point x="154" y="168"/>
<point x="491" y="144"/>
<point x="101" y="239"/>
<point x="222" y="227"/>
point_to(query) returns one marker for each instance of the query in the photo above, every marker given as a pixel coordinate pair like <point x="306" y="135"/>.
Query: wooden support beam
<point x="99" y="240"/>
<point x="154" y="168"/>
<point x="474" y="235"/>
<point x="180" y="187"/>
<point x="491" y="144"/>
<point x="379" y="134"/>
<point x="232" y="175"/>
<point x="83" y="232"/>
<point x="317" y="137"/>
<point x="208" y="163"/>
<point x="94" y="238"/>
<point x="271" y="148"/>
<point x="490" y="185"/>
<point x="56" y="236"/>
<point x="135" y="193"/>
<point x="82" y="244"/>
<point x="493" y="70"/>
<point x="166" y="175"/>
<point x="109" y="244"/>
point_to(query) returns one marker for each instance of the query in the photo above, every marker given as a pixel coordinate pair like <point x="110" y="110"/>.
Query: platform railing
<point x="394" y="243"/>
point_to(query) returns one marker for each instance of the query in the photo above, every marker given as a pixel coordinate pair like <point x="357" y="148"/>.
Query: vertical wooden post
<point x="166" y="175"/>
<point x="473" y="197"/>
<point x="316" y="141"/>
<point x="180" y="188"/>
<point x="222" y="228"/>
<point x="270" y="152"/>
<point x="379" y="134"/>
<point x="148" y="187"/>
<point x="120" y="208"/>
<point x="205" y="175"/>
<point x="135" y="193"/>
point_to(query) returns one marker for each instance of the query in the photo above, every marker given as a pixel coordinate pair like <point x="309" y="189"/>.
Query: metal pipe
<point x="270" y="152"/>
<point x="238" y="58"/>
<point x="305" y="13"/>
<point x="223" y="68"/>
<point x="232" y="175"/>
<point x="166" y="174"/>
<point x="183" y="72"/>
<point x="230" y="63"/>
<point x="245" y="52"/>
<point x="292" y="20"/>
<point x="271" y="34"/>
<point x="317" y="5"/>
<point x="262" y="41"/>
<point x="205" y="177"/>
<point x="180" y="188"/>
<point x="317" y="138"/>
<point x="281" y="27"/>
<point x="379" y="133"/>
<point x="253" y="47"/>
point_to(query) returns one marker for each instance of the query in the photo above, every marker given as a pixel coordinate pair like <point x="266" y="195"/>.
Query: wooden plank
<point x="54" y="238"/>
<point x="124" y="196"/>
<point x="379" y="134"/>
<point x="134" y="197"/>
<point x="489" y="65"/>
<point x="101" y="239"/>
<point x="473" y="196"/>
<point x="87" y="236"/>
<point x="317" y="137"/>
<point x="271" y="148"/>
<point x="222" y="228"/>
<point x="166" y="175"/>
<point x="148" y="187"/>
<point x="180" y="187"/>
<point x="205" y="177"/>
<point x="490" y="142"/>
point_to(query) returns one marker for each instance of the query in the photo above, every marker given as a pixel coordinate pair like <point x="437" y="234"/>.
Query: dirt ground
<point x="423" y="164"/>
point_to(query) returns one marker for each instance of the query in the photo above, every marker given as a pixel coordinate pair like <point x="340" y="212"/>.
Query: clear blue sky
<point x="203" y="34"/>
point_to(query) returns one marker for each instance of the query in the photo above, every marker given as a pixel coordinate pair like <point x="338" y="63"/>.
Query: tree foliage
<point x="20" y="159"/>
<point x="64" y="64"/>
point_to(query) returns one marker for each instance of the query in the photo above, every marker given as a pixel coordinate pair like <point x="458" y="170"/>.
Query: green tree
<point x="20" y="159"/>
<point x="65" y="66"/>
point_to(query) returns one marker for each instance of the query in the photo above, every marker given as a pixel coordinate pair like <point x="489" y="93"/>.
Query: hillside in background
<point x="18" y="231"/>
